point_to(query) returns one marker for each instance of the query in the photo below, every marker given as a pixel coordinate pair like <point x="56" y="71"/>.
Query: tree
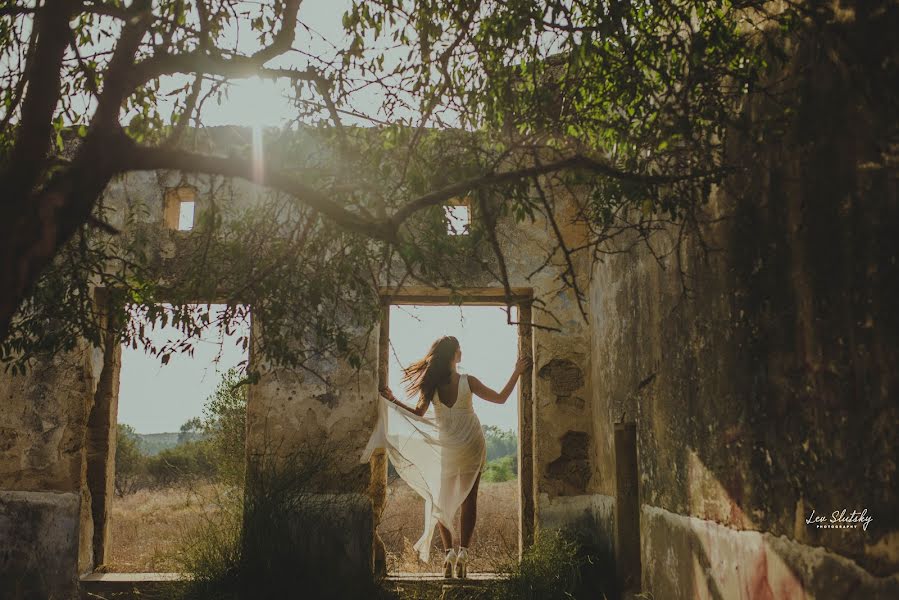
<point x="224" y="423"/>
<point x="130" y="463"/>
<point x="500" y="442"/>
<point x="189" y="430"/>
<point x="630" y="103"/>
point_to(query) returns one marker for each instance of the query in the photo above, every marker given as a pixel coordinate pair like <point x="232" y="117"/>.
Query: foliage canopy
<point x="627" y="104"/>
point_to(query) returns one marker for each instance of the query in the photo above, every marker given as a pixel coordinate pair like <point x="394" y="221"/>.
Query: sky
<point x="264" y="103"/>
<point x="155" y="398"/>
<point x="489" y="350"/>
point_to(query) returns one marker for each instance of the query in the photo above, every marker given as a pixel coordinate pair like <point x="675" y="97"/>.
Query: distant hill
<point x="152" y="444"/>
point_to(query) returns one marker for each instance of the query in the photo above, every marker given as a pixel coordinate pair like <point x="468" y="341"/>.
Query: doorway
<point x="491" y="337"/>
<point x="176" y="446"/>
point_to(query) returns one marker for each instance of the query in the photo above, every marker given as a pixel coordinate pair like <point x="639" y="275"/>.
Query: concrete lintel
<point x="428" y="295"/>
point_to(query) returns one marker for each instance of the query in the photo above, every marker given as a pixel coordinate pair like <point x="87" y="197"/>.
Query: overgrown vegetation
<point x="278" y="539"/>
<point x="500" y="102"/>
<point x="501" y="469"/>
<point x="552" y="568"/>
<point x="278" y="550"/>
<point x="502" y="455"/>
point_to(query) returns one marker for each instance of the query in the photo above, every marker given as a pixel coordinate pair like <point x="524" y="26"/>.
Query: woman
<point x="441" y="459"/>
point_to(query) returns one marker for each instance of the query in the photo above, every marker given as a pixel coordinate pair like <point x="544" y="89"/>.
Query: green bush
<point x="499" y="470"/>
<point x="130" y="463"/>
<point x="549" y="570"/>
<point x="224" y="425"/>
<point x="185" y="462"/>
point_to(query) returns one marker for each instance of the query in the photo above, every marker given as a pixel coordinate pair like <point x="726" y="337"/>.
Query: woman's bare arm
<point x="419" y="410"/>
<point x="482" y="391"/>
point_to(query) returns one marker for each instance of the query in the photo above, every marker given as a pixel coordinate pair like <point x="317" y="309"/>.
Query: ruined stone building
<point x="690" y="434"/>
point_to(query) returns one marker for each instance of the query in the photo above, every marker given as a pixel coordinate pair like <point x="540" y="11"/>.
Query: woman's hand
<point x="524" y="363"/>
<point x="387" y="393"/>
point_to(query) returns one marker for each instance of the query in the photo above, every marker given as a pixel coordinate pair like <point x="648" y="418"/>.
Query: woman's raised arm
<point x="482" y="391"/>
<point x="419" y="410"/>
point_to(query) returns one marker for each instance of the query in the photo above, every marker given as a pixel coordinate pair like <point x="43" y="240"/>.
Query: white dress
<point x="439" y="458"/>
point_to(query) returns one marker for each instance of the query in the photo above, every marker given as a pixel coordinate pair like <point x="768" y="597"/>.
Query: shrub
<point x="130" y="463"/>
<point x="224" y="425"/>
<point x="501" y="469"/>
<point x="550" y="569"/>
<point x="183" y="463"/>
<point x="260" y="544"/>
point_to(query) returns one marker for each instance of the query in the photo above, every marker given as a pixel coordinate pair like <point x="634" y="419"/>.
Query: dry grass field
<point x="495" y="539"/>
<point x="146" y="527"/>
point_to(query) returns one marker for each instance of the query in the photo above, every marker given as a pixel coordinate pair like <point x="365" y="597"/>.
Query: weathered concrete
<point x="124" y="586"/>
<point x="696" y="558"/>
<point x="335" y="532"/>
<point x="43" y="420"/>
<point x="39" y="545"/>
<point x="561" y="511"/>
<point x="768" y="387"/>
<point x="43" y="466"/>
<point x="590" y="519"/>
<point x="99" y="462"/>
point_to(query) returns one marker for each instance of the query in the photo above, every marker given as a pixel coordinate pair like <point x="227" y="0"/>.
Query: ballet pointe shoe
<point x="449" y="564"/>
<point x="462" y="563"/>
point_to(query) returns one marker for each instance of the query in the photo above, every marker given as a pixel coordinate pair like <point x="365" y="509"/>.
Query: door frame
<point x="522" y="298"/>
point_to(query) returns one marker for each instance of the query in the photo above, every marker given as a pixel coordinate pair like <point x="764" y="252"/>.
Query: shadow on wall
<point x="772" y="390"/>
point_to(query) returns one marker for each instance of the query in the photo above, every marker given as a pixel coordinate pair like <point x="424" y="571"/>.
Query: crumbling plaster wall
<point x="770" y="390"/>
<point x="45" y="519"/>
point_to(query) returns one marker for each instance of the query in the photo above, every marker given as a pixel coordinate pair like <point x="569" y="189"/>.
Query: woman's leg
<point x="469" y="513"/>
<point x="445" y="536"/>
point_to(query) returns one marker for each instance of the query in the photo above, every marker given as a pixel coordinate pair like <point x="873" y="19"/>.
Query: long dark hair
<point x="425" y="375"/>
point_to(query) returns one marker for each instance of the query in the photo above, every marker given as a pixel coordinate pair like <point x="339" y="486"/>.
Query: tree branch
<point x="184" y="118"/>
<point x="238" y="67"/>
<point x="283" y="40"/>
<point x="133" y="157"/>
<point x="115" y="84"/>
<point x="235" y="67"/>
<point x="578" y="161"/>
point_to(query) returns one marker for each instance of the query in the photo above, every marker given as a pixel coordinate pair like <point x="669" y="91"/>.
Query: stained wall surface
<point x="763" y="378"/>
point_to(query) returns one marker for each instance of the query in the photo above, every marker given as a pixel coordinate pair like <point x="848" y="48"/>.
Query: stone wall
<point x="769" y="387"/>
<point x="45" y="519"/>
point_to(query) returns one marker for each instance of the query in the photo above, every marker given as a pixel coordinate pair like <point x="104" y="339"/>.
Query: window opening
<point x="178" y="212"/>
